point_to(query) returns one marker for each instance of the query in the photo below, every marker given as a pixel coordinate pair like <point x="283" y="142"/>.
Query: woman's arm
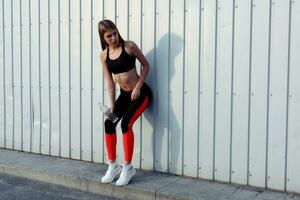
<point x="109" y="81"/>
<point x="145" y="65"/>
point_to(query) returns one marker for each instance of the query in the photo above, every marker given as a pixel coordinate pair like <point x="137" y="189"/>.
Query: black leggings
<point x="129" y="110"/>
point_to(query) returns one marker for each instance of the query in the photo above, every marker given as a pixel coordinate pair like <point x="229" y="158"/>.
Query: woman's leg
<point x="135" y="109"/>
<point x="110" y="128"/>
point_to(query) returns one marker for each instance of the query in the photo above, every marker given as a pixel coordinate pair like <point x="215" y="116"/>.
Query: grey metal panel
<point x="206" y="120"/>
<point x="293" y="161"/>
<point x="17" y="76"/>
<point x="9" y="115"/>
<point x="110" y="9"/>
<point x="86" y="79"/>
<point x="259" y="80"/>
<point x="223" y="90"/>
<point x="2" y="72"/>
<point x="148" y="118"/>
<point x="240" y="92"/>
<point x="35" y="79"/>
<point x="191" y="82"/>
<point x="75" y="78"/>
<point x="27" y="126"/>
<point x="122" y="16"/>
<point x="64" y="78"/>
<point x="176" y="86"/>
<point x="54" y="79"/>
<point x="161" y="138"/>
<point x="134" y="25"/>
<point x="278" y="91"/>
<point x="44" y="48"/>
<point x="98" y="134"/>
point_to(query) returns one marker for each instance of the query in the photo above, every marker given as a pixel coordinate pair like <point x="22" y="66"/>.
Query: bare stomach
<point x="127" y="80"/>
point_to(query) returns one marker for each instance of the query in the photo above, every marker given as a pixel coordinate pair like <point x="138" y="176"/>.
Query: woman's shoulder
<point x="129" y="44"/>
<point x="130" y="47"/>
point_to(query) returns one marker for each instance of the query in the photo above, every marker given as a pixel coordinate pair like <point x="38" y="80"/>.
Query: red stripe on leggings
<point x="128" y="137"/>
<point x="138" y="112"/>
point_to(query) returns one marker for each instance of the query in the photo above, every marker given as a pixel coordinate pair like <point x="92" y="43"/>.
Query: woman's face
<point x="111" y="37"/>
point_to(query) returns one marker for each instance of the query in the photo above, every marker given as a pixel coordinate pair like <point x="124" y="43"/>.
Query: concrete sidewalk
<point x="86" y="176"/>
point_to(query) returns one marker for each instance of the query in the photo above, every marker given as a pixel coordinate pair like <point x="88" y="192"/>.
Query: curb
<point x="82" y="182"/>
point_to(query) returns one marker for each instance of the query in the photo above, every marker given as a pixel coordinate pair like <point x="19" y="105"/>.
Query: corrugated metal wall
<point x="223" y="72"/>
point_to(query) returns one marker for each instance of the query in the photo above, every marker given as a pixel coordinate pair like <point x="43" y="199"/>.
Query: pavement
<point x="86" y="176"/>
<point x="18" y="188"/>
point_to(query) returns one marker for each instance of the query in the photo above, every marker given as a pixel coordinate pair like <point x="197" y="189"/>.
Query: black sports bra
<point x="123" y="63"/>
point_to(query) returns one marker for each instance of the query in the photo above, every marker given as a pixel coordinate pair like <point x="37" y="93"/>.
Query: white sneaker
<point x="127" y="173"/>
<point x="113" y="170"/>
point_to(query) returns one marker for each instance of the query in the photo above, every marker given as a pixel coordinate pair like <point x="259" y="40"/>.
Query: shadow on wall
<point x="159" y="85"/>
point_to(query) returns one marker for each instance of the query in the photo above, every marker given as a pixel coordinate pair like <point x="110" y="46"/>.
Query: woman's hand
<point x="135" y="94"/>
<point x="112" y="108"/>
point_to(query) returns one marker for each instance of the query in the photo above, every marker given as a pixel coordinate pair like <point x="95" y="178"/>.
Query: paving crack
<point x="155" y="192"/>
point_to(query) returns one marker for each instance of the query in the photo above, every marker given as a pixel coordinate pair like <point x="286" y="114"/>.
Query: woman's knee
<point x="110" y="127"/>
<point x="125" y="125"/>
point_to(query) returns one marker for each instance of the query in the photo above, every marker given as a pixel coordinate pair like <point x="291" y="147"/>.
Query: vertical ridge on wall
<point x="268" y="96"/>
<point x="69" y="83"/>
<point x="8" y="53"/>
<point x="80" y="78"/>
<point x="12" y="74"/>
<point x="59" y="75"/>
<point x="91" y="81"/>
<point x="39" y="87"/>
<point x="293" y="140"/>
<point x="214" y="92"/>
<point x="199" y="84"/>
<point x="21" y="74"/>
<point x="287" y="96"/>
<point x="2" y="73"/>
<point x="249" y="92"/>
<point x="231" y="87"/>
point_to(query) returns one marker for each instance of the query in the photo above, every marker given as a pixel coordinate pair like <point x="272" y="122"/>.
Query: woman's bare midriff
<point x="127" y="80"/>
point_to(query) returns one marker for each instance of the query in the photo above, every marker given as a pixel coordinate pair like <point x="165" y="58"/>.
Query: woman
<point x="118" y="61"/>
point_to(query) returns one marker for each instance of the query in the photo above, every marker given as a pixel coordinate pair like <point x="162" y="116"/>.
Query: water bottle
<point x="107" y="112"/>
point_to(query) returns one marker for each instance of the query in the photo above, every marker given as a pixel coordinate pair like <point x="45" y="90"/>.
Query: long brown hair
<point x="104" y="26"/>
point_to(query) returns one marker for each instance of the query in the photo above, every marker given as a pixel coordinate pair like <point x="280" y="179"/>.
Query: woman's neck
<point x="114" y="48"/>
